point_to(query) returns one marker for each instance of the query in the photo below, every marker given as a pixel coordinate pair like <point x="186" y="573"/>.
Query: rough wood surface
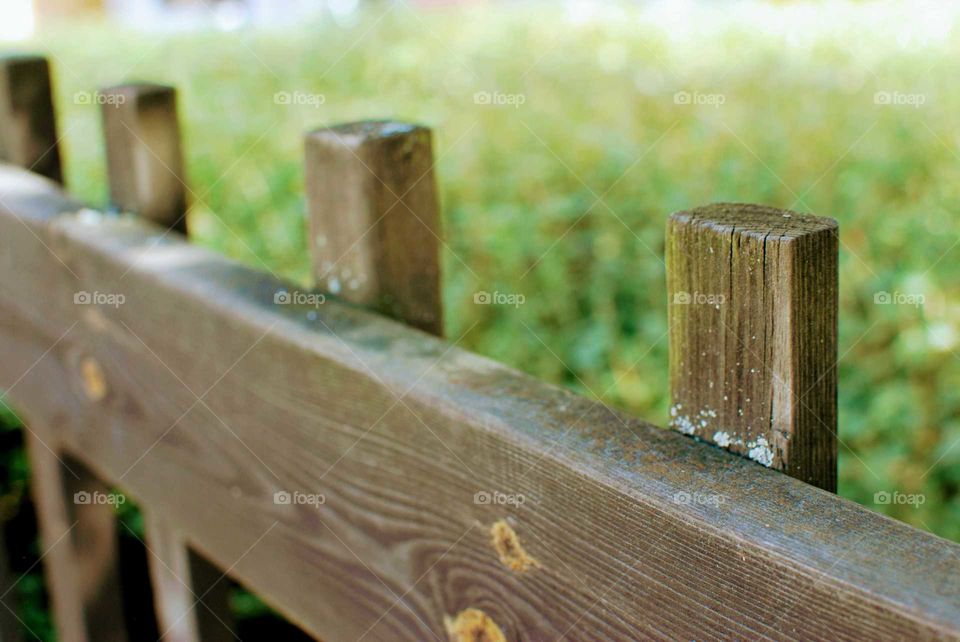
<point x="374" y="219"/>
<point x="144" y="157"/>
<point x="296" y="399"/>
<point x="753" y="335"/>
<point x="146" y="177"/>
<point x="28" y="130"/>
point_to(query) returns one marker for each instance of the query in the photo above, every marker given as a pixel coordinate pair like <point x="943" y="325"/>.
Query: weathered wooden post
<point x="145" y="168"/>
<point x="82" y="578"/>
<point x="78" y="530"/>
<point x="28" y="129"/>
<point x="753" y="335"/>
<point x="144" y="157"/>
<point x="374" y="220"/>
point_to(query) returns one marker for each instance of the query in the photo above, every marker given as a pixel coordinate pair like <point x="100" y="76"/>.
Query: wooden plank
<point x="145" y="166"/>
<point x="28" y="130"/>
<point x="78" y="533"/>
<point x="189" y="594"/>
<point x="753" y="335"/>
<point x="374" y="220"/>
<point x="403" y="546"/>
<point x="144" y="156"/>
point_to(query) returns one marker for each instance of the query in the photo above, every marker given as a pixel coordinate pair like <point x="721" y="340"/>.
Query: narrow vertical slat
<point x="145" y="171"/>
<point x="79" y="541"/>
<point x="753" y="323"/>
<point x="144" y="157"/>
<point x="374" y="219"/>
<point x="28" y="131"/>
<point x="190" y="595"/>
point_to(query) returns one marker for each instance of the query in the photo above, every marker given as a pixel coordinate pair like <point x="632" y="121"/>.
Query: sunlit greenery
<point x="564" y="198"/>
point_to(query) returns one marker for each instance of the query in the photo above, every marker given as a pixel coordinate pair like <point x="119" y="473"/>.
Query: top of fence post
<point x="144" y="156"/>
<point x="374" y="219"/>
<point x="753" y="329"/>
<point x="28" y="129"/>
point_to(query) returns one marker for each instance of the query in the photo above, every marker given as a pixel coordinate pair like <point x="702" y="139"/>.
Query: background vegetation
<point x="564" y="197"/>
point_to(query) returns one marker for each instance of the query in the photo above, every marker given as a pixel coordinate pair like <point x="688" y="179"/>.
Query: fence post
<point x="190" y="595"/>
<point x="144" y="158"/>
<point x="28" y="130"/>
<point x="374" y="219"/>
<point x="79" y="538"/>
<point x="81" y="560"/>
<point x="145" y="171"/>
<point x="753" y="335"/>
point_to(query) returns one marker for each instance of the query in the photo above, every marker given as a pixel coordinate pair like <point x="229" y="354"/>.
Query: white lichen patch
<point x="761" y="452"/>
<point x="683" y="424"/>
<point x="721" y="438"/>
<point x="689" y="425"/>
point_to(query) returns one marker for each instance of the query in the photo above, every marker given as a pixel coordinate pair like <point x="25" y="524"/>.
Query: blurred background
<point x="565" y="134"/>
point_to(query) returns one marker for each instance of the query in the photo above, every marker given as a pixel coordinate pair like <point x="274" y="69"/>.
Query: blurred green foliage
<point x="564" y="198"/>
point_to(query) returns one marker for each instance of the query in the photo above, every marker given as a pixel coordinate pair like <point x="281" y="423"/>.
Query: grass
<point x="564" y="198"/>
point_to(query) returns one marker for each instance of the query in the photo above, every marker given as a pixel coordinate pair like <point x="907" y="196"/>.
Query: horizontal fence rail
<point x="406" y="438"/>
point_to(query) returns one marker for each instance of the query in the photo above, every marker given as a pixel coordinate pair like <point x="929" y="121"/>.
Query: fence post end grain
<point x="374" y="221"/>
<point x="28" y="129"/>
<point x="753" y="335"/>
<point x="144" y="155"/>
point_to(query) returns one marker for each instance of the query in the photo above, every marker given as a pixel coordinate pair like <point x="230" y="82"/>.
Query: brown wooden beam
<point x="28" y="130"/>
<point x="374" y="221"/>
<point x="79" y="540"/>
<point x="144" y="156"/>
<point x="753" y="335"/>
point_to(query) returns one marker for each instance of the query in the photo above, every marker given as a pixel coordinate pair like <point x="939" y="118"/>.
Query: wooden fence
<point x="370" y="481"/>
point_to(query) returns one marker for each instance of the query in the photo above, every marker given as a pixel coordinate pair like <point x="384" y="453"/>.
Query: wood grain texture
<point x="145" y="166"/>
<point x="374" y="219"/>
<point x="144" y="156"/>
<point x="28" y="129"/>
<point x="298" y="399"/>
<point x="753" y="335"/>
